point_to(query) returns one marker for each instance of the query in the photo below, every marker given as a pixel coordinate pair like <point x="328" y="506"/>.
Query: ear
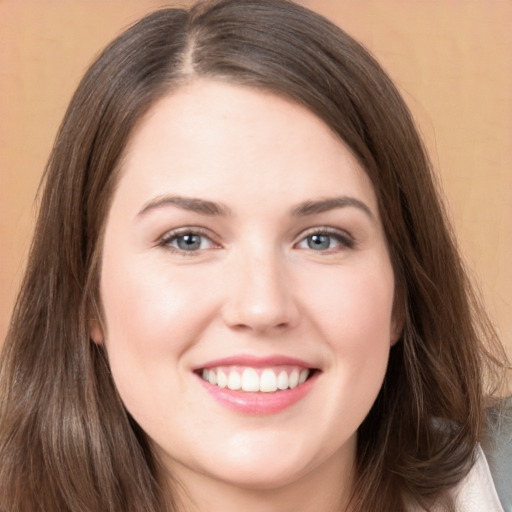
<point x="96" y="332"/>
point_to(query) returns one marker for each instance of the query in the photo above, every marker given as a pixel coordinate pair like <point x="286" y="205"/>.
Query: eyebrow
<point x="192" y="204"/>
<point x="210" y="208"/>
<point x="324" y="205"/>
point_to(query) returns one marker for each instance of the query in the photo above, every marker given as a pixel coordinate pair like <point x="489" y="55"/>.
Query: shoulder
<point x="488" y="486"/>
<point x="477" y="491"/>
<point x="497" y="446"/>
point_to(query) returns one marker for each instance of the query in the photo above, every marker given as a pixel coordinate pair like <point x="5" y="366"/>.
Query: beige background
<point x="450" y="58"/>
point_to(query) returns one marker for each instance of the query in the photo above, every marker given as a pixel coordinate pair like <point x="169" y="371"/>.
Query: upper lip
<point x="255" y="362"/>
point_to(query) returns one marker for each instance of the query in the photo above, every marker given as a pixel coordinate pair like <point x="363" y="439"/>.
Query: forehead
<point x="215" y="138"/>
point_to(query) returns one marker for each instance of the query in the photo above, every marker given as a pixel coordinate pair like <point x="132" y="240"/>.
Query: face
<point x="247" y="288"/>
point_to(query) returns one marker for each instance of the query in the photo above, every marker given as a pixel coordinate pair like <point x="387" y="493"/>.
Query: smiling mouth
<point x="254" y="380"/>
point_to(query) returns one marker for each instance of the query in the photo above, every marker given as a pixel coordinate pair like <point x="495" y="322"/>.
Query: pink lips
<point x="255" y="362"/>
<point x="257" y="403"/>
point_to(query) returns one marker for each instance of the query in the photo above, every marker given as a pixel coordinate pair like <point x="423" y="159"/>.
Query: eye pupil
<point x="319" y="242"/>
<point x="189" y="242"/>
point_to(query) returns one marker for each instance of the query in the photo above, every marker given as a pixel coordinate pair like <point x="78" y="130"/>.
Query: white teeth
<point x="293" y="380"/>
<point x="268" y="381"/>
<point x="234" y="380"/>
<point x="282" y="380"/>
<point x="250" y="380"/>
<point x="212" y="377"/>
<point x="222" y="379"/>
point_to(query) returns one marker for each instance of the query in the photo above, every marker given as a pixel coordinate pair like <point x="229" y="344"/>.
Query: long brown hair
<point x="66" y="441"/>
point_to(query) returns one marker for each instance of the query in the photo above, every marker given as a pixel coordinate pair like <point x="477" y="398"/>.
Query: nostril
<point x="259" y="297"/>
<point x="242" y="317"/>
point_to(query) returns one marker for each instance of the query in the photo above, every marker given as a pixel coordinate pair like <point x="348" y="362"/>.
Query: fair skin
<point x="285" y="269"/>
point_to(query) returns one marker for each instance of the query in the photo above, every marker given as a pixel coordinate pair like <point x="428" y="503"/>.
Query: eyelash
<point x="176" y="234"/>
<point x="345" y="240"/>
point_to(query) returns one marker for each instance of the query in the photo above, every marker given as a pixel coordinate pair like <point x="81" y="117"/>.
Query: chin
<point x="269" y="464"/>
<point x="265" y="476"/>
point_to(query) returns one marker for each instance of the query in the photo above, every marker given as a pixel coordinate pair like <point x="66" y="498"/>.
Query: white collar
<point x="476" y="492"/>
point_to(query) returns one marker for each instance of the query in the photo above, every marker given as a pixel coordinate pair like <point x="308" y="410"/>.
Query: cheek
<point x="149" y="312"/>
<point x="353" y="308"/>
<point x="152" y="318"/>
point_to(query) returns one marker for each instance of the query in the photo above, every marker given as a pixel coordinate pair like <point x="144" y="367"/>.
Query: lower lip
<point x="259" y="403"/>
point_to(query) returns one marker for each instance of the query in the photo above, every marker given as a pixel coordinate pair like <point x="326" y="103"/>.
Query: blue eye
<point x="187" y="241"/>
<point x="325" y="240"/>
<point x="319" y="242"/>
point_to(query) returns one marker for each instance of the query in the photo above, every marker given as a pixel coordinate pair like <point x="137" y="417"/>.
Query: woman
<point x="242" y="291"/>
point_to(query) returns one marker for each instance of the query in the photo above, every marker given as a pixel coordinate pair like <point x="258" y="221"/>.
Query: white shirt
<point x="476" y="493"/>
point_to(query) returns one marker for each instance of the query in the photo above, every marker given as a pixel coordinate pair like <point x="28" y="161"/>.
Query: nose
<point x="261" y="297"/>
